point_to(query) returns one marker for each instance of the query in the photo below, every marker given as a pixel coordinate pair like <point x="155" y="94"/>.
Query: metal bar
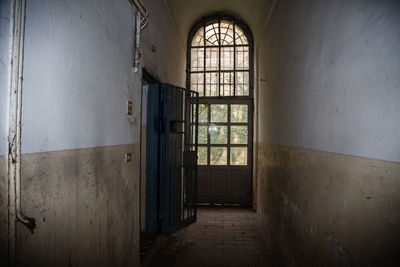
<point x="196" y="169"/>
<point x="204" y="61"/>
<point x="219" y="57"/>
<point x="209" y="71"/>
<point x="238" y="45"/>
<point x="229" y="135"/>
<point x="234" y="60"/>
<point x="223" y="123"/>
<point x="224" y="145"/>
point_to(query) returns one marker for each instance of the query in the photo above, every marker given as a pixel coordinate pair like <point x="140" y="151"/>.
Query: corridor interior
<point x="221" y="236"/>
<point x="298" y="131"/>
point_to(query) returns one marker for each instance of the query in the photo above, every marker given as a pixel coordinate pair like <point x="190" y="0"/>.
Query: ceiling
<point x="254" y="13"/>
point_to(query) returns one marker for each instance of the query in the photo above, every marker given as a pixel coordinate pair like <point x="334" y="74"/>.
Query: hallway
<point x="222" y="236"/>
<point x="118" y="117"/>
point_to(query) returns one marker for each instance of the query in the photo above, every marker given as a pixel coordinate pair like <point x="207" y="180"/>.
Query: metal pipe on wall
<point x="136" y="59"/>
<point x="28" y="221"/>
<point x="141" y="23"/>
<point x="14" y="136"/>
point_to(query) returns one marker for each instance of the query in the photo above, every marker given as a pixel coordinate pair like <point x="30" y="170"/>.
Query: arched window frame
<point x="203" y="22"/>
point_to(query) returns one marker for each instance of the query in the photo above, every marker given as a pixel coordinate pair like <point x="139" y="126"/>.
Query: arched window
<point x="220" y="58"/>
<point x="220" y="69"/>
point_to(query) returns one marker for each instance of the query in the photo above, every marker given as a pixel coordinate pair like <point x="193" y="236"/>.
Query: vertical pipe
<point x="141" y="23"/>
<point x="14" y="136"/>
<point x="136" y="60"/>
<point x="29" y="222"/>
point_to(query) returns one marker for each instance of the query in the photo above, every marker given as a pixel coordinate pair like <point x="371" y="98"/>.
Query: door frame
<point x="250" y="147"/>
<point x="218" y="17"/>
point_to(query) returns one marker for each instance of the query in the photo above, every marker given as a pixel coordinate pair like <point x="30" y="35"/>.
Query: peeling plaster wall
<point x="328" y="209"/>
<point x="3" y="211"/>
<point x="329" y="152"/>
<point x="78" y="77"/>
<point x="86" y="205"/>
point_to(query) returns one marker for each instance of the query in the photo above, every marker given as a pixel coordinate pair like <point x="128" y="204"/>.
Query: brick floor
<point x="222" y="236"/>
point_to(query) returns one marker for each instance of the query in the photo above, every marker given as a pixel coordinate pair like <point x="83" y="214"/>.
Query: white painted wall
<point x="332" y="71"/>
<point x="168" y="62"/>
<point x="253" y="12"/>
<point x="78" y="75"/>
<point x="5" y="70"/>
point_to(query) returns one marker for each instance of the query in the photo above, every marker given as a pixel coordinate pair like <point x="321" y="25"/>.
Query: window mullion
<point x="228" y="156"/>
<point x="234" y="61"/>
<point x="204" y="61"/>
<point x="219" y="57"/>
<point x="208" y="133"/>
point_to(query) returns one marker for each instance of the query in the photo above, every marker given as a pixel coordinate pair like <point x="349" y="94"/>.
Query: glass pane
<point x="238" y="156"/>
<point x="202" y="155"/>
<point x="242" y="58"/>
<point x="226" y="58"/>
<point x="242" y="83"/>
<point x="226" y="83"/>
<point x="212" y="84"/>
<point x="218" y="155"/>
<point x="218" y="134"/>
<point x="202" y="135"/>
<point x="239" y="134"/>
<point x="212" y="58"/>
<point x="198" y="38"/>
<point x="226" y="33"/>
<point x="239" y="113"/>
<point x="197" y="83"/>
<point x="212" y="34"/>
<point x="197" y="56"/>
<point x="240" y="38"/>
<point x="219" y="113"/>
<point x="203" y="113"/>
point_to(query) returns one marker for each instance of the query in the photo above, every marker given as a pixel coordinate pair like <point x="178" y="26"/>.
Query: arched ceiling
<point x="253" y="12"/>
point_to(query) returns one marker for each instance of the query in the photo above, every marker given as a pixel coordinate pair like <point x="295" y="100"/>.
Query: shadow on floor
<point x="222" y="236"/>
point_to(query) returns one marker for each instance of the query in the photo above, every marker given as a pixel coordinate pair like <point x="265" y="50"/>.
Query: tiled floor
<point x="222" y="236"/>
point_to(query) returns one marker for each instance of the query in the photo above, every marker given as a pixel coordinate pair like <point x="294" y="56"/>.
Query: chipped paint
<point x="341" y="253"/>
<point x="310" y="195"/>
<point x="86" y="199"/>
<point x="336" y="248"/>
<point x="286" y="204"/>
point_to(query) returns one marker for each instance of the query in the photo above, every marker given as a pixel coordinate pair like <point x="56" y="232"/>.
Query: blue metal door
<point x="171" y="163"/>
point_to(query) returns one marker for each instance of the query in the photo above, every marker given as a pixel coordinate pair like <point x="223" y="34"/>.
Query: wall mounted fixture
<point x="129" y="108"/>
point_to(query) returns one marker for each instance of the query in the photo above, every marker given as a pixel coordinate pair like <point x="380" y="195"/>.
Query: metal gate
<point x="171" y="165"/>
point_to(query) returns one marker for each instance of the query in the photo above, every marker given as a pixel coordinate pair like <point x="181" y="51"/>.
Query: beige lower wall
<point x="86" y="206"/>
<point x="328" y="209"/>
<point x="3" y="211"/>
